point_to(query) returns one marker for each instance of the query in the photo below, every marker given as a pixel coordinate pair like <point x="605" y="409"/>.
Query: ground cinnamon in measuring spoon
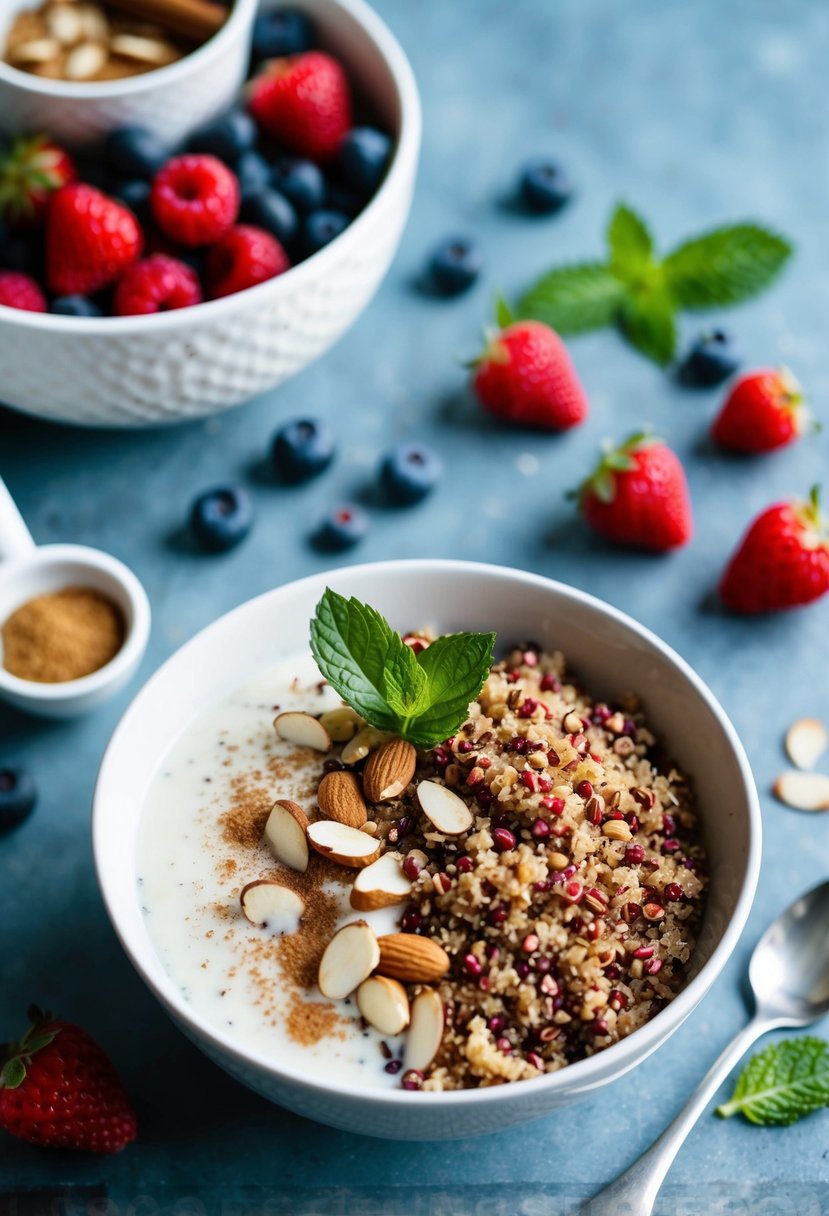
<point x="62" y="636"/>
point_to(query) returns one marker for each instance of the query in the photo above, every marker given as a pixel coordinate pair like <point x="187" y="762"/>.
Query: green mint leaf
<point x="725" y="266"/>
<point x="647" y="320"/>
<point x="630" y="244"/>
<point x="573" y="299"/>
<point x="783" y="1083"/>
<point x="456" y="667"/>
<point x="354" y="646"/>
<point x="404" y="683"/>
<point x="503" y="313"/>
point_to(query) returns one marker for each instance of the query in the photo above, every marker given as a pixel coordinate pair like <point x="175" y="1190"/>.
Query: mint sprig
<point x="423" y="698"/>
<point x="642" y="293"/>
<point x="780" y="1085"/>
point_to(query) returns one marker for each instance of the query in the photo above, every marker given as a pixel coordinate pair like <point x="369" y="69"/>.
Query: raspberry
<point x="157" y="284"/>
<point x="21" y="291"/>
<point x="243" y="257"/>
<point x="194" y="199"/>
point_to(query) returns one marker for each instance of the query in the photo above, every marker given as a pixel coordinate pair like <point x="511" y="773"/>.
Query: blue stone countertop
<point x="697" y="114"/>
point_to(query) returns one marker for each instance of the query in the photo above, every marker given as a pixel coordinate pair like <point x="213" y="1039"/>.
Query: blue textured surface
<point x="696" y="115"/>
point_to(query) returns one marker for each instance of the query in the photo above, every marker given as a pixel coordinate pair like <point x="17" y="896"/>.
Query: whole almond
<point x="412" y="959"/>
<point x="340" y="798"/>
<point x="389" y="770"/>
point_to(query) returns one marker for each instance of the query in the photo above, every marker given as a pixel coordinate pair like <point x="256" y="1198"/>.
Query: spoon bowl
<point x="789" y="969"/>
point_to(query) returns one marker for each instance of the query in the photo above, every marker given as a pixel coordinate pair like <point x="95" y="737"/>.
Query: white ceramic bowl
<point x="175" y="366"/>
<point x="610" y="653"/>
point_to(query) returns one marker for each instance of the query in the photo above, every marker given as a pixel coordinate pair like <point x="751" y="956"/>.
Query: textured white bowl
<point x="609" y="652"/>
<point x="175" y="366"/>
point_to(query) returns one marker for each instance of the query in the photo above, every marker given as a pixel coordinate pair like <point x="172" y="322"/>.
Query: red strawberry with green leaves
<point x="90" y="240"/>
<point x="303" y="102"/>
<point x="782" y="561"/>
<point x="58" y="1089"/>
<point x="763" y="411"/>
<point x="638" y="495"/>
<point x="31" y="170"/>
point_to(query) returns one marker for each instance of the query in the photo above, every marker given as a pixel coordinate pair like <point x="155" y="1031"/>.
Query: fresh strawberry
<point x="57" y="1088"/>
<point x="30" y="173"/>
<point x="90" y="240"/>
<point x="638" y="496"/>
<point x="304" y="102"/>
<point x="156" y="284"/>
<point x="195" y="199"/>
<point x="763" y="411"/>
<point x="243" y="257"/>
<point x="782" y="561"/>
<point x="21" y="291"/>
<point x="525" y="376"/>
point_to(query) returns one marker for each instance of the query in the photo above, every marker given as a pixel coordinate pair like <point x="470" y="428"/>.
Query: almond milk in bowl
<point x="473" y="931"/>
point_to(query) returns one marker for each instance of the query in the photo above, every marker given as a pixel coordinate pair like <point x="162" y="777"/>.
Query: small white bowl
<point x="610" y="653"/>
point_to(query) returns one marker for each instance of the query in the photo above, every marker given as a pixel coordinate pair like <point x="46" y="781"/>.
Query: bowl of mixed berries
<point x="143" y="283"/>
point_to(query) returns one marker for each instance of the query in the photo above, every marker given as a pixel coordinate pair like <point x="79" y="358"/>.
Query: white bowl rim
<point x="404" y="155"/>
<point x="577" y="1075"/>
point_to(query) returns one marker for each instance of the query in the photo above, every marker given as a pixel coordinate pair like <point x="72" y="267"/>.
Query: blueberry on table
<point x="254" y="174"/>
<point x="136" y="152"/>
<point x="301" y="181"/>
<point x="321" y="227"/>
<point x="364" y="156"/>
<point x="343" y="528"/>
<point x="272" y="211"/>
<point x="409" y="472"/>
<point x="545" y="186"/>
<point x="228" y="137"/>
<point x="455" y="264"/>
<point x="135" y="193"/>
<point x="287" y="31"/>
<point x="75" y="306"/>
<point x="17" y="796"/>
<point x="711" y="359"/>
<point x="221" y="518"/>
<point x="303" y="449"/>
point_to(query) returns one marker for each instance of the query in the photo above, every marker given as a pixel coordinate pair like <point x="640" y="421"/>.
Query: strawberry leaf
<point x="503" y="313"/>
<point x="780" y="1085"/>
<point x="647" y="321"/>
<point x="630" y="244"/>
<point x="573" y="299"/>
<point x="13" y="1073"/>
<point x="725" y="266"/>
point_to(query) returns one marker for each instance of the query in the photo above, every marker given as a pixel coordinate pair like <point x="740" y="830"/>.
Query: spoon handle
<point x="635" y="1191"/>
<point x="15" y="538"/>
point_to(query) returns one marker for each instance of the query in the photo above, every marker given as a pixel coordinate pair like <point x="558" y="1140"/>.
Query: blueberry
<point x="455" y="265"/>
<point x="136" y="152"/>
<point x="284" y="32"/>
<point x="228" y="137"/>
<point x="17" y="796"/>
<point x="301" y="181"/>
<point x="364" y="155"/>
<point x="545" y="186"/>
<point x="409" y="472"/>
<point x="253" y="173"/>
<point x="343" y="528"/>
<point x="222" y="518"/>
<point x="136" y="194"/>
<point x="303" y="449"/>
<point x="321" y="227"/>
<point x="711" y="359"/>
<point x="75" y="306"/>
<point x="272" y="211"/>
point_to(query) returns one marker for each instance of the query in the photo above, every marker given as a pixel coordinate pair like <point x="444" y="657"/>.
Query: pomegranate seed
<point x="629" y="727"/>
<point x="530" y="943"/>
<point x="554" y="805"/>
<point x="573" y="892"/>
<point x="584" y="789"/>
<point x="484" y="797"/>
<point x="492" y="952"/>
<point x="411" y="867"/>
<point x="464" y="747"/>
<point x="631" y="912"/>
<point x="633" y="823"/>
<point x="475" y="776"/>
<point x="553" y="758"/>
<point x="522" y="970"/>
<point x="669" y="825"/>
<point x="504" y="1045"/>
<point x="513" y="676"/>
<point x="394" y="1066"/>
<point x="417" y="644"/>
<point x="471" y="965"/>
<point x="484" y="761"/>
<point x="540" y="829"/>
<point x="412" y="922"/>
<point x="673" y="891"/>
<point x="542" y="965"/>
<point x="497" y="1023"/>
<point x="535" y="1059"/>
<point x="412" y="1079"/>
<point x="400" y="829"/>
<point x="504" y="840"/>
<point x="645" y="798"/>
<point x="542" y="885"/>
<point x="612" y="971"/>
<point x="496" y="916"/>
<point x="544" y="783"/>
<point x="634" y="855"/>
<point x="601" y="713"/>
<point x="617" y="1000"/>
<point x="670" y="846"/>
<point x="550" y="682"/>
<point x="465" y="865"/>
<point x="643" y="952"/>
<point x="600" y="1026"/>
<point x="443" y="881"/>
<point x="653" y="966"/>
<point x="529" y="780"/>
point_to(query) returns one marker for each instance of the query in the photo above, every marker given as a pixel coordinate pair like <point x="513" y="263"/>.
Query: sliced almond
<point x="269" y="904"/>
<point x="341" y="798"/>
<point x="63" y="23"/>
<point x="381" y="884"/>
<point x="302" y="729"/>
<point x="425" y="1030"/>
<point x="285" y="835"/>
<point x="803" y="791"/>
<point x="342" y="724"/>
<point x="94" y="22"/>
<point x="349" y="958"/>
<point x="365" y="741"/>
<point x="38" y="50"/>
<point x="85" y="61"/>
<point x="348" y="846"/>
<point x="806" y="741"/>
<point x="143" y="50"/>
<point x="443" y="808"/>
<point x="413" y="959"/>
<point x="384" y="1004"/>
<point x="389" y="770"/>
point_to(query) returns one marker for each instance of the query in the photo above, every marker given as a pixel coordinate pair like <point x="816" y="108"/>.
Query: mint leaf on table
<point x="725" y="266"/>
<point x="648" y="321"/>
<point x="630" y="245"/>
<point x="573" y="299"/>
<point x="780" y="1085"/>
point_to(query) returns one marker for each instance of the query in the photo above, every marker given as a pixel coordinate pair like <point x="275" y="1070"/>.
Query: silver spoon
<point x="789" y="977"/>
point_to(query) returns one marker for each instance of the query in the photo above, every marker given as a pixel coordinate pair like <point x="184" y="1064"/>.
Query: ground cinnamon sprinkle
<point x="62" y="636"/>
<point x="309" y="1021"/>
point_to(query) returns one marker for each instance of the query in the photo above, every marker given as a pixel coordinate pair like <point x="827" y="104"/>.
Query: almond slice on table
<point x="443" y="808"/>
<point x="302" y="729"/>
<point x="806" y="741"/>
<point x="384" y="1004"/>
<point x="413" y="959"/>
<point x="425" y="1030"/>
<point x="381" y="884"/>
<point x="803" y="791"/>
<point x="348" y="959"/>
<point x="269" y="904"/>
<point x="340" y="797"/>
<point x="348" y="846"/>
<point x="342" y="724"/>
<point x="389" y="770"/>
<point x="285" y="835"/>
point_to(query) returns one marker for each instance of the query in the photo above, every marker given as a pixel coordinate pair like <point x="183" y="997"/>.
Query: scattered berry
<point x="301" y="181"/>
<point x="74" y="306"/>
<point x="321" y="227"/>
<point x="30" y="173"/>
<point x="304" y="102"/>
<point x="272" y="211"/>
<point x="303" y="449"/>
<point x="17" y="797"/>
<point x="638" y="496"/>
<point x="156" y="284"/>
<point x="90" y="240"/>
<point x="195" y="199"/>
<point x="59" y="1089"/>
<point x="242" y="258"/>
<point x="343" y="528"/>
<point x="227" y="137"/>
<point x="135" y="194"/>
<point x="364" y="156"/>
<point x="781" y="562"/>
<point x="20" y="291"/>
<point x="545" y="187"/>
<point x="763" y="411"/>
<point x="222" y="518"/>
<point x="253" y="174"/>
<point x="409" y="472"/>
<point x="135" y="152"/>
<point x="711" y="359"/>
<point x="525" y="376"/>
<point x="455" y="264"/>
<point x="286" y="31"/>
